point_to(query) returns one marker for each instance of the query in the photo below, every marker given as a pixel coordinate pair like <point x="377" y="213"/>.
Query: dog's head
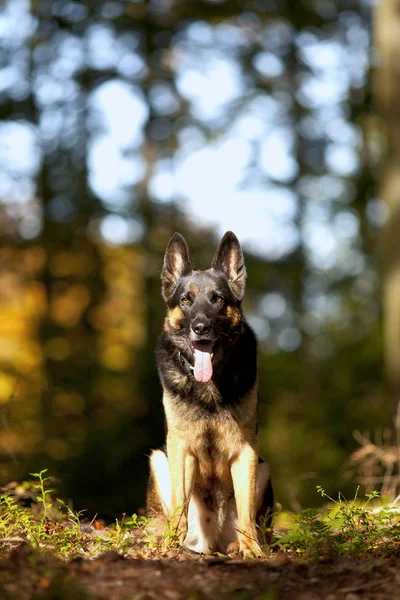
<point x="204" y="307"/>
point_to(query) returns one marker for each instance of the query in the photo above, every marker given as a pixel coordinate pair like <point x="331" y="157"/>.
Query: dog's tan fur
<point x="211" y="463"/>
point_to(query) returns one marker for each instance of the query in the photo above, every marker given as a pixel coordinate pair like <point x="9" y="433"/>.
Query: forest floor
<point x="25" y="575"/>
<point x="347" y="550"/>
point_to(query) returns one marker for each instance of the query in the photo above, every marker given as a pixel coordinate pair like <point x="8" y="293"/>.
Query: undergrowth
<point x="50" y="525"/>
<point x="356" y="528"/>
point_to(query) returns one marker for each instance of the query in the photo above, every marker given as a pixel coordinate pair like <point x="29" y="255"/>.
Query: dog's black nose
<point x="201" y="326"/>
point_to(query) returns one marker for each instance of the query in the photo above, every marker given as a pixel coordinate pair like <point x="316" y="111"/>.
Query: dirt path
<point x="24" y="575"/>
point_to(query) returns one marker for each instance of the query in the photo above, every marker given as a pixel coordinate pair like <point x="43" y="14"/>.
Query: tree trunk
<point x="387" y="90"/>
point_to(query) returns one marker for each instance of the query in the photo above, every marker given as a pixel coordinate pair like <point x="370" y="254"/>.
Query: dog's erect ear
<point x="177" y="262"/>
<point x="229" y="258"/>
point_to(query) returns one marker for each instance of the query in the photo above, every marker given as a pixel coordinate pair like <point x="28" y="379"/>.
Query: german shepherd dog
<point x="208" y="481"/>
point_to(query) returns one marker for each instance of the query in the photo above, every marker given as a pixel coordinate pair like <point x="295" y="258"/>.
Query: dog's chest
<point x="215" y="443"/>
<point x="213" y="433"/>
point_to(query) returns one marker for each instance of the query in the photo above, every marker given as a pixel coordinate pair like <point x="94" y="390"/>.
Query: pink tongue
<point x="202" y="363"/>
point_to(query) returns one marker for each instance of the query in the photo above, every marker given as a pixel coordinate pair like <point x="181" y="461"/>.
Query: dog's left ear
<point x="229" y="258"/>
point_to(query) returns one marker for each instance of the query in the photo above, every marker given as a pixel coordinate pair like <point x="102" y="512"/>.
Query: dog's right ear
<point x="177" y="262"/>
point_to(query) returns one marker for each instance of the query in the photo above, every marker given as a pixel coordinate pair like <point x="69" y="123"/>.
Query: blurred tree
<point x="387" y="82"/>
<point x="120" y="104"/>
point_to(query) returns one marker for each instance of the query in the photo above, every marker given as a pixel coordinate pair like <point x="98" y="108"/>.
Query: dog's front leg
<point x="244" y="477"/>
<point x="182" y="467"/>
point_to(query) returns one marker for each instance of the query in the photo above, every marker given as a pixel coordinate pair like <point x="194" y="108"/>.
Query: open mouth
<point x="203" y="355"/>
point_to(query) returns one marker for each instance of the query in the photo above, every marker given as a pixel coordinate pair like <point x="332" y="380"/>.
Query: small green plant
<point x="173" y="536"/>
<point x="264" y="526"/>
<point x="351" y="515"/>
<point x="19" y="523"/>
<point x="307" y="533"/>
<point x="123" y="529"/>
<point x="42" y="498"/>
<point x="67" y="538"/>
<point x="15" y="521"/>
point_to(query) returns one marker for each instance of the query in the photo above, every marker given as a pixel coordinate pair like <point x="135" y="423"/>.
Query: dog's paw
<point x="251" y="549"/>
<point x="199" y="548"/>
<point x="233" y="548"/>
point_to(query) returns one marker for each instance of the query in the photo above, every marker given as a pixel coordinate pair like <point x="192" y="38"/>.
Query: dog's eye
<point x="185" y="300"/>
<point x="219" y="299"/>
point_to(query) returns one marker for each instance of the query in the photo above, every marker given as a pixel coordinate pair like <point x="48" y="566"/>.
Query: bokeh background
<point x="123" y="121"/>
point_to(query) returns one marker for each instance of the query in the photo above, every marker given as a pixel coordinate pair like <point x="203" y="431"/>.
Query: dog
<point x="208" y="482"/>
